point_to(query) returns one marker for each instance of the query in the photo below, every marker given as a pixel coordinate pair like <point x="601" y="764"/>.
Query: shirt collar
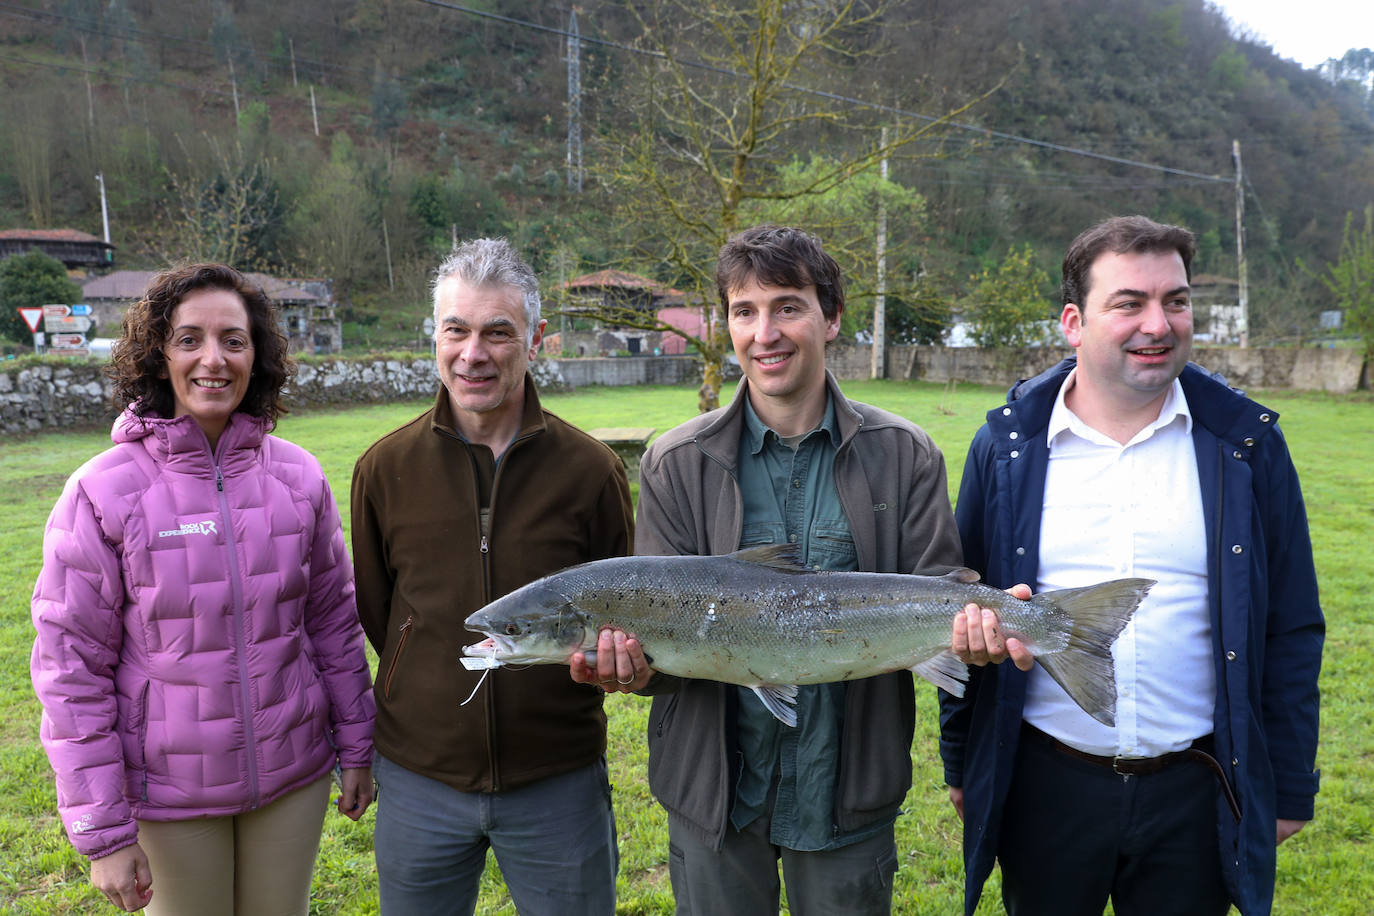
<point x="1062" y="419"/>
<point x="756" y="432"/>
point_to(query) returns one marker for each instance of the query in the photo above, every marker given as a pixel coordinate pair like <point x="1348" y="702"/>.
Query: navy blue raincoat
<point x="1267" y="625"/>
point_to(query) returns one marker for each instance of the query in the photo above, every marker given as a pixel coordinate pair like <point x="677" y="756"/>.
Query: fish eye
<point x="512" y="629"/>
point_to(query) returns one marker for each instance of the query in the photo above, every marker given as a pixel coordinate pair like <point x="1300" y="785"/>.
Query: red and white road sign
<point x="32" y="315"/>
<point x="56" y="311"/>
<point x="67" y="341"/>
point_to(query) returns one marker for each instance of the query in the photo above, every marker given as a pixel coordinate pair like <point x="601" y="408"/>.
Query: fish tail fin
<point x="1098" y="613"/>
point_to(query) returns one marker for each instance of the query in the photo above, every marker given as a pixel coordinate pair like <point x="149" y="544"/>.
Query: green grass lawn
<point x="1327" y="870"/>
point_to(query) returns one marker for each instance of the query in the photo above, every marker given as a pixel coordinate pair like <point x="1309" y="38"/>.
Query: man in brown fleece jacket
<point x="474" y="498"/>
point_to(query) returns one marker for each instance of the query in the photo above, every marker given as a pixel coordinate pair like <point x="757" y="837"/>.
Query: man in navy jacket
<point x="1129" y="460"/>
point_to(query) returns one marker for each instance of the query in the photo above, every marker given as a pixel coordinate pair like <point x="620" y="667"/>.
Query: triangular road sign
<point x="32" y="315"/>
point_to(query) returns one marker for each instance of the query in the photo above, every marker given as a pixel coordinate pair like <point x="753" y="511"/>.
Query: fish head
<point x="533" y="625"/>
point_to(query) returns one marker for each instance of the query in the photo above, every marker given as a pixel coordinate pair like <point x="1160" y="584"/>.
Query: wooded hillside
<point x="439" y="119"/>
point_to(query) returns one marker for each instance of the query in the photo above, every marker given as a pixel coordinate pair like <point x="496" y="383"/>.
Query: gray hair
<point x="491" y="263"/>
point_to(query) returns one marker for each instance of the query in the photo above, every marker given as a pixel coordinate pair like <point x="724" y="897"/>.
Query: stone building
<point x="305" y="307"/>
<point x="592" y="302"/>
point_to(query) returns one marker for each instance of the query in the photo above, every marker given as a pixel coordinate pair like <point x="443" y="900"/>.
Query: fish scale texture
<point x="198" y="652"/>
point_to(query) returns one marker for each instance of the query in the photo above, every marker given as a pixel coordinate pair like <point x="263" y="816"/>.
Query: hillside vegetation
<point x="440" y="120"/>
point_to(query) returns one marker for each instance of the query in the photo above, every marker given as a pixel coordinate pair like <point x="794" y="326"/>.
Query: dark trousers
<point x="1074" y="834"/>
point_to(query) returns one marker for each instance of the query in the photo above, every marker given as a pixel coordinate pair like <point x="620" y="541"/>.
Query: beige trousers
<point x="253" y="864"/>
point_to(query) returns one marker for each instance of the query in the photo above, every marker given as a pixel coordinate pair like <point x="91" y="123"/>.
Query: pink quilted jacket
<point x="198" y="649"/>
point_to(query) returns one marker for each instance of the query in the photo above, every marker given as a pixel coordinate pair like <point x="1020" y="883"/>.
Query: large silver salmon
<point x="757" y="619"/>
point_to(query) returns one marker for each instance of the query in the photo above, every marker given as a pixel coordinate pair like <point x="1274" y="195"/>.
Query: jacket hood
<point x="183" y="433"/>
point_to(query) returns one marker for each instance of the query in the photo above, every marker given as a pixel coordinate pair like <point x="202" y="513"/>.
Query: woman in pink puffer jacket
<point x="199" y="657"/>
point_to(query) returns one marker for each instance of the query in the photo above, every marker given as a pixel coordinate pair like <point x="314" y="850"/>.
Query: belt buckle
<point x="1116" y="768"/>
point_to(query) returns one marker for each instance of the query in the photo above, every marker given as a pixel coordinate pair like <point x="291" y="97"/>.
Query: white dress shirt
<point x="1115" y="511"/>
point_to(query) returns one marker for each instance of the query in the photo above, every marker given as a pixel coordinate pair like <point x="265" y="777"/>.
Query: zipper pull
<point x="482" y="546"/>
<point x="219" y="479"/>
<point x="406" y="626"/>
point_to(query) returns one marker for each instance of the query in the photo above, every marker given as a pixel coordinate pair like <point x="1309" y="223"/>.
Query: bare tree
<point x="726" y="96"/>
<point x="219" y="209"/>
<point x="30" y="126"/>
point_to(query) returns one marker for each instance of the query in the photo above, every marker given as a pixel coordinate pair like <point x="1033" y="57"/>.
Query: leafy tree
<point x="336" y="223"/>
<point x="1351" y="278"/>
<point x="461" y="205"/>
<point x="1355" y="70"/>
<point x="28" y="280"/>
<point x="1008" y="305"/>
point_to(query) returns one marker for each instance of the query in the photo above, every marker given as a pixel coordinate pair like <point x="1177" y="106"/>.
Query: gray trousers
<point x="742" y="878"/>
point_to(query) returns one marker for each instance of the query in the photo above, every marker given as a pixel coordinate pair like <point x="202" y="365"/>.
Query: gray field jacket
<point x="891" y="481"/>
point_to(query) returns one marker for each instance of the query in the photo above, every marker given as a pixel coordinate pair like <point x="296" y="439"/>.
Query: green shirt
<point x="790" y="497"/>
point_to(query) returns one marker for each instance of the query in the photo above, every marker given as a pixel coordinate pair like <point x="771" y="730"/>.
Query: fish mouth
<point x="494" y="646"/>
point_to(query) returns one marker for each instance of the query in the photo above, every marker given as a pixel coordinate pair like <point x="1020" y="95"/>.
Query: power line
<point x="132" y="33"/>
<point x="837" y="97"/>
<point x="114" y="77"/>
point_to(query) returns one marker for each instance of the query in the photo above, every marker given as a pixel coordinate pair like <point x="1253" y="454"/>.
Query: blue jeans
<point x="554" y="841"/>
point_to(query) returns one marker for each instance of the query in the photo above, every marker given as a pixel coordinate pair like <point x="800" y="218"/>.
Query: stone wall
<point x="69" y="395"/>
<point x="1335" y="370"/>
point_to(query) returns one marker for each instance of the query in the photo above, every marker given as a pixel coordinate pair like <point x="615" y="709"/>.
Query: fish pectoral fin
<point x="781" y="700"/>
<point x="944" y="671"/>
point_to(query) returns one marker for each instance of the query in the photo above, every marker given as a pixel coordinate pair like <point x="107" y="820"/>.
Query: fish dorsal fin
<point x="781" y="700"/>
<point x="783" y="557"/>
<point x="963" y="575"/>
<point x="944" y="671"/>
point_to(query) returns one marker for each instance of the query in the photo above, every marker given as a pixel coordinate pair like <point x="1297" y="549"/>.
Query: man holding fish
<point x="848" y="487"/>
<point x="469" y="501"/>
<point x="1128" y="460"/>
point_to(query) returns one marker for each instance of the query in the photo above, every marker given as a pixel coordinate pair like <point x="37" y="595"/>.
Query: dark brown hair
<point x="780" y="256"/>
<point x="1119" y="235"/>
<point x="138" y="365"/>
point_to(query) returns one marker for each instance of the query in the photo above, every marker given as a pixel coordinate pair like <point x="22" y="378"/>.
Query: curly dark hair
<point x="137" y="364"/>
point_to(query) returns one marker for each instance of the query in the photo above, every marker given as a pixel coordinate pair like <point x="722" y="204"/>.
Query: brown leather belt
<point x="1199" y="751"/>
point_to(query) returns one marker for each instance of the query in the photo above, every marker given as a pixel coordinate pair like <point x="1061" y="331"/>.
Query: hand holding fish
<point x="757" y="619"/>
<point x="617" y="665"/>
<point x="978" y="639"/>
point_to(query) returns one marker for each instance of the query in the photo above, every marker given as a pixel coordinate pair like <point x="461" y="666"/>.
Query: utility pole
<point x="386" y="240"/>
<point x="234" y="84"/>
<point x="1243" y="323"/>
<point x="90" y="96"/>
<point x="291" y="44"/>
<point x="104" y="208"/>
<point x="574" y="104"/>
<point x="878" y="369"/>
<point x="314" y="112"/>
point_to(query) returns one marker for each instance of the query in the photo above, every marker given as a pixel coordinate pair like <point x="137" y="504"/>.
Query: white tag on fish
<point x="479" y="663"/>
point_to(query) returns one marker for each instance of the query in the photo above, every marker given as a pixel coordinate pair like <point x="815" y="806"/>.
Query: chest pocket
<point x="832" y="547"/>
<point x="760" y="533"/>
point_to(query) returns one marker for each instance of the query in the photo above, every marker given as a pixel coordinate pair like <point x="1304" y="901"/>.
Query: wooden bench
<point x="629" y="442"/>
